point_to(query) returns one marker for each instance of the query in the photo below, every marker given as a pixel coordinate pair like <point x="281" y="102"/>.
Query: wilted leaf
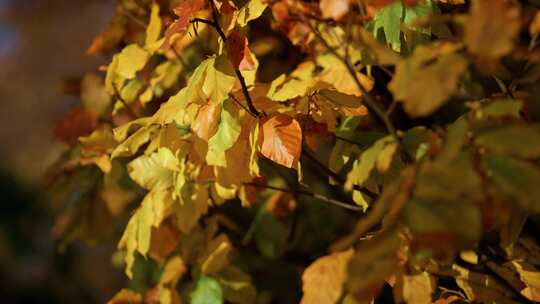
<point x="281" y="139"/>
<point x="77" y="122"/>
<point x="323" y="280"/>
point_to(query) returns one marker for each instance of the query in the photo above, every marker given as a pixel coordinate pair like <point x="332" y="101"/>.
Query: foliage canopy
<point x="330" y="151"/>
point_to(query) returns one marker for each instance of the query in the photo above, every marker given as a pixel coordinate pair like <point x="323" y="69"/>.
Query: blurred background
<point x="43" y="42"/>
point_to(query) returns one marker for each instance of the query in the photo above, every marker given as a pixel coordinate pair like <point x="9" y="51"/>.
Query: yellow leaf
<point x="154" y="171"/>
<point x="322" y="281"/>
<point x="153" y="31"/>
<point x="131" y="60"/>
<point x="252" y="10"/>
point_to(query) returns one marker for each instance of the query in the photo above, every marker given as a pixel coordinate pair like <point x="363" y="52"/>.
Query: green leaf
<point x="388" y="19"/>
<point x="207" y="291"/>
<point x="516" y="140"/>
<point x="131" y="60"/>
<point x="225" y="137"/>
<point x="515" y="179"/>
<point x="154" y="171"/>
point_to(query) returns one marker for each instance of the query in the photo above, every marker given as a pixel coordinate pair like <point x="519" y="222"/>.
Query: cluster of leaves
<point x="396" y="155"/>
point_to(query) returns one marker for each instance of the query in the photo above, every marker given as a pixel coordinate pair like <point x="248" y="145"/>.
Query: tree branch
<point x="217" y="27"/>
<point x="310" y="194"/>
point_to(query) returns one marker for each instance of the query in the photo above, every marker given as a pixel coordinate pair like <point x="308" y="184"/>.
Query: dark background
<point x="41" y="43"/>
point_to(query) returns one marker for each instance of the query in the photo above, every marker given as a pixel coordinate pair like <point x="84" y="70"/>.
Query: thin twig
<point x="217" y="27"/>
<point x="334" y="175"/>
<point x="311" y="194"/>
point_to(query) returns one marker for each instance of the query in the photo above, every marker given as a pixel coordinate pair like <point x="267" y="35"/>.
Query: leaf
<point x="425" y="80"/>
<point x="217" y="255"/>
<point x="416" y="288"/>
<point x="515" y="179"/>
<point x="515" y="140"/>
<point x="252" y="10"/>
<point x="207" y="291"/>
<point x="280" y="139"/>
<point x="131" y="145"/>
<point x="323" y="280"/>
<point x="488" y="37"/>
<point x="388" y="21"/>
<point x="534" y="27"/>
<point x="227" y="134"/>
<point x="218" y="82"/>
<point x="238" y="52"/>
<point x="237" y="285"/>
<point x="94" y="96"/>
<point x="185" y="11"/>
<point x="207" y="121"/>
<point x="531" y="277"/>
<point x="375" y="259"/>
<point x="126" y="296"/>
<point x="362" y="167"/>
<point x="154" y="171"/>
<point x="131" y="60"/>
<point x="137" y="236"/>
<point x="153" y="31"/>
<point x="334" y="9"/>
<point x="77" y="122"/>
<point x="193" y="203"/>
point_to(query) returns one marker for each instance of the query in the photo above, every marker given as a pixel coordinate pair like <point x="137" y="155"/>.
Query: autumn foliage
<point x="332" y="151"/>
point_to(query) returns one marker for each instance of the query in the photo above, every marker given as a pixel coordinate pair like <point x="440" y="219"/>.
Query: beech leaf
<point x="280" y="139"/>
<point x="238" y="52"/>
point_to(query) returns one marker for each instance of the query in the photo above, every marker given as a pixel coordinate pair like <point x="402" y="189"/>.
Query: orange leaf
<point x="206" y="122"/>
<point x="185" y="11"/>
<point x="238" y="52"/>
<point x="281" y="139"/>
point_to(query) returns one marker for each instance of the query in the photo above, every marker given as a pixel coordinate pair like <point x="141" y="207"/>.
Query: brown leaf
<point x="76" y="123"/>
<point x="322" y="281"/>
<point x="491" y="37"/>
<point x="238" y="52"/>
<point x="206" y="123"/>
<point x="164" y="240"/>
<point x="281" y="139"/>
<point x="334" y="9"/>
